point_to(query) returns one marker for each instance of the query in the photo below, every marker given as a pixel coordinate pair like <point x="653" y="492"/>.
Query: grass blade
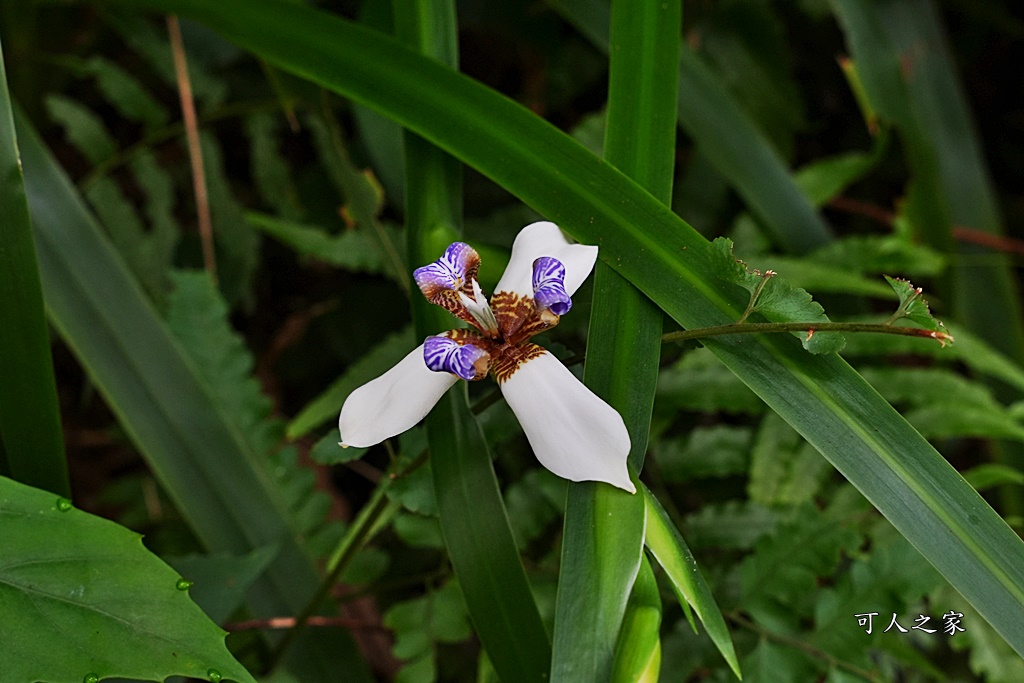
<point x="472" y="513"/>
<point x="31" y="439"/>
<point x="602" y="546"/>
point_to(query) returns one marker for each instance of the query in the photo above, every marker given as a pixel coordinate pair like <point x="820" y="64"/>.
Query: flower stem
<point x="753" y="328"/>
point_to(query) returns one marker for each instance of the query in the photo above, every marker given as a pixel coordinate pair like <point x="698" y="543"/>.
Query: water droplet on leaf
<point x="89" y="678"/>
<point x="63" y="504"/>
<point x="214" y="675"/>
<point x="183" y="584"/>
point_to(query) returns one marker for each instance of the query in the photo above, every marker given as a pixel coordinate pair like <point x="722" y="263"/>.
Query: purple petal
<point x="442" y="354"/>
<point x="451" y="271"/>
<point x="549" y="285"/>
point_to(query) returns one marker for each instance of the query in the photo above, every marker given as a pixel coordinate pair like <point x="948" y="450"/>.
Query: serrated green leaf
<point x="668" y="547"/>
<point x="437" y="617"/>
<point x="784" y="469"/>
<point x="269" y="168"/>
<point x="122" y="90"/>
<point x="699" y="381"/>
<point x="780" y="578"/>
<point x="945" y="404"/>
<point x="88" y="584"/>
<point x="418" y="531"/>
<point x="717" y="451"/>
<point x="913" y="305"/>
<point x="889" y="581"/>
<point x="732" y="525"/>
<point x="355" y="249"/>
<point x="149" y="42"/>
<point x="83" y="128"/>
<point x="198" y="318"/>
<point x="777" y="300"/>
<point x="991" y="474"/>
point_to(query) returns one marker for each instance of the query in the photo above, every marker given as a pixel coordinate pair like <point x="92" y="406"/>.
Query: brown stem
<point x="195" y="152"/>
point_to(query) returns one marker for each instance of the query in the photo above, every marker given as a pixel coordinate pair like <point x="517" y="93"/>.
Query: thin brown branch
<point x="961" y="233"/>
<point x="195" y="152"/>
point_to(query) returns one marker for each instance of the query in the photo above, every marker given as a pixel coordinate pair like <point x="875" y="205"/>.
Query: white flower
<point x="572" y="432"/>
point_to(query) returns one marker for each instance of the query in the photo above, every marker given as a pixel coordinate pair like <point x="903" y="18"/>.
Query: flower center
<point x="505" y="323"/>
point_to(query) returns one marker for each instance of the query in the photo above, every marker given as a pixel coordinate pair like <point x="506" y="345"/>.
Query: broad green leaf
<point x="668" y="547"/>
<point x="130" y="356"/>
<point x="31" y="440"/>
<point x="821" y="396"/>
<point x="80" y="595"/>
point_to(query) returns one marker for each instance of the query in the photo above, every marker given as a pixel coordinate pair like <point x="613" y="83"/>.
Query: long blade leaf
<point x="31" y="440"/>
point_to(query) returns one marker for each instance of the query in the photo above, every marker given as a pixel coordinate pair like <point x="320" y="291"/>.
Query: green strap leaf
<point x="474" y="522"/>
<point x="602" y="547"/>
<point x="31" y="440"/>
<point x="668" y="547"/>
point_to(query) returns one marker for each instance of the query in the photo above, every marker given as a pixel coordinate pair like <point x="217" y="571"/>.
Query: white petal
<point x="573" y="433"/>
<point x="393" y="402"/>
<point x="545" y="239"/>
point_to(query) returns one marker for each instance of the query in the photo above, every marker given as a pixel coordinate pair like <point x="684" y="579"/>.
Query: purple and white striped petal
<point x="443" y="354"/>
<point x="549" y="286"/>
<point x="573" y="433"/>
<point x="452" y="271"/>
<point x="392" y="403"/>
<point x="545" y="239"/>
